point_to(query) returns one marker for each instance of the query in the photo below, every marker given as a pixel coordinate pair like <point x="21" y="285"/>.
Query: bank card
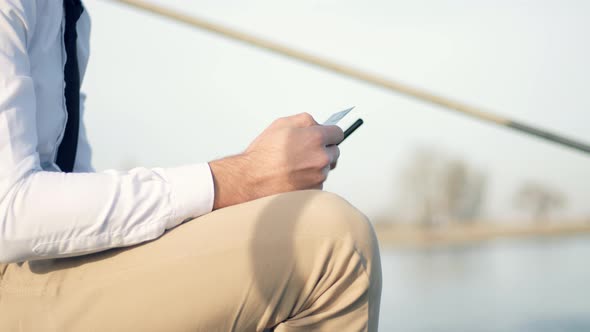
<point x="336" y="117"/>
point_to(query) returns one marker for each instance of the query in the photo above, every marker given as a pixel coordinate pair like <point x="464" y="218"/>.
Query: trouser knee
<point x="328" y="218"/>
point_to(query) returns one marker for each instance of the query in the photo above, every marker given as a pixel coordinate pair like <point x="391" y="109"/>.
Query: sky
<point x="164" y="94"/>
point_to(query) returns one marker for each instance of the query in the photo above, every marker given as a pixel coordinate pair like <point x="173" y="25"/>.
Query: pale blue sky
<point x="163" y="94"/>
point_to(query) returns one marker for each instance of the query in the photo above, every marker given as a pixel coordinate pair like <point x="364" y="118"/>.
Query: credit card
<point x="336" y="117"/>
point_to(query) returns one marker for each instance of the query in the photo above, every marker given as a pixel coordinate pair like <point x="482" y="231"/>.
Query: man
<point x="273" y="254"/>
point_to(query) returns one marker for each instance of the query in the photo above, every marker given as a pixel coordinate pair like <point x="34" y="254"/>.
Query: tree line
<point x="437" y="189"/>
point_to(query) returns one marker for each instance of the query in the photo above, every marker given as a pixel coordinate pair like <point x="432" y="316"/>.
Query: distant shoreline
<point x="396" y="235"/>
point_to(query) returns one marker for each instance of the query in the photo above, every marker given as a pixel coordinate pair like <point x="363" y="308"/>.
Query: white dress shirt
<point x="45" y="213"/>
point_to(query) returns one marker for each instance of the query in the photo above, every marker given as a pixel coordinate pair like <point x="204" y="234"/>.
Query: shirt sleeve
<point x="49" y="214"/>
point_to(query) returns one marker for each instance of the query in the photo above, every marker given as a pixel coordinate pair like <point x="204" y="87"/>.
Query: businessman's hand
<point x="293" y="153"/>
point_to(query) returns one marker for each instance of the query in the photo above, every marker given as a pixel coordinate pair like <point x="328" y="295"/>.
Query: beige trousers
<point x="302" y="261"/>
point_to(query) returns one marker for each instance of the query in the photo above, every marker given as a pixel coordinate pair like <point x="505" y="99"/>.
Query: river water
<point x="532" y="285"/>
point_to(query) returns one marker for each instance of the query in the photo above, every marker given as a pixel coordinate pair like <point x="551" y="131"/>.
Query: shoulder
<point x="17" y="16"/>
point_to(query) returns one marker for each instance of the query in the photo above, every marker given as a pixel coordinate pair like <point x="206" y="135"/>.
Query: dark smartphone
<point x="352" y="128"/>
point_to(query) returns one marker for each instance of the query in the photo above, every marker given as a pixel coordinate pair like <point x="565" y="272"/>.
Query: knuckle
<point x="323" y="160"/>
<point x="307" y="118"/>
<point x="336" y="152"/>
<point x="323" y="177"/>
<point x="279" y="121"/>
<point x="319" y="178"/>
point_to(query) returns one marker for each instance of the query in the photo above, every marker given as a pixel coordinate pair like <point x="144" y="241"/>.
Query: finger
<point x="333" y="153"/>
<point x="333" y="165"/>
<point x="318" y="187"/>
<point x="302" y="120"/>
<point x="332" y="135"/>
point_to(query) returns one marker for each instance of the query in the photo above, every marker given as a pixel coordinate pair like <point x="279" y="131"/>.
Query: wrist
<point x="233" y="181"/>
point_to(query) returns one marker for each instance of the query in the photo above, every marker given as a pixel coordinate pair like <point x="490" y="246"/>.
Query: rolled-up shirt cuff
<point x="191" y="192"/>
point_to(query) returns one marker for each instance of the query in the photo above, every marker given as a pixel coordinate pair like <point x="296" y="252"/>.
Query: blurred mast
<point x="357" y="74"/>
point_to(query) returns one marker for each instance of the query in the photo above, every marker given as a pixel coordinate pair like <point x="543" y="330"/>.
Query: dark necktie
<point x="66" y="154"/>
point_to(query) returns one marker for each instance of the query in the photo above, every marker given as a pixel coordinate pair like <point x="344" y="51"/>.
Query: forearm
<point x="48" y="214"/>
<point x="233" y="181"/>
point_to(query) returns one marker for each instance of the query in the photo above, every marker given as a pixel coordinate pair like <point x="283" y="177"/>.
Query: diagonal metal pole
<point x="357" y="74"/>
